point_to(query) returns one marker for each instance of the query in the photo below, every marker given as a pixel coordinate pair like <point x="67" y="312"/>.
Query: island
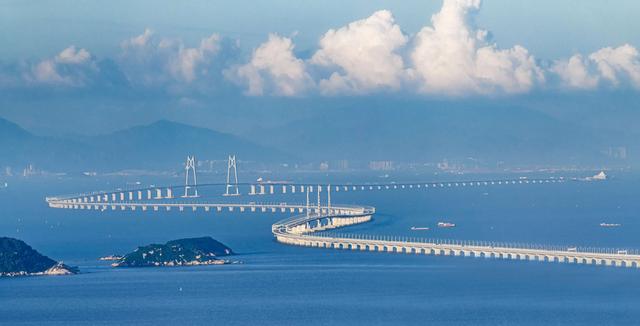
<point x="18" y="259"/>
<point x="181" y="252"/>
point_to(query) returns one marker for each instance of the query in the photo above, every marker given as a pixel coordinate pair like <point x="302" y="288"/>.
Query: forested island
<point x="181" y="252"/>
<point x="18" y="259"/>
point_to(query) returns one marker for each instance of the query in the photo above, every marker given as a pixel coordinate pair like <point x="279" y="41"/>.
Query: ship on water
<point x="419" y="228"/>
<point x="446" y="225"/>
<point x="610" y="225"/>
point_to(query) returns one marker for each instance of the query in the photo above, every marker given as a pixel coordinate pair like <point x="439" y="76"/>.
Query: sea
<point x="278" y="284"/>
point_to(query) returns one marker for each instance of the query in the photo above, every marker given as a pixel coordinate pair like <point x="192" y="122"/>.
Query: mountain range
<point x="405" y="132"/>
<point x="158" y="145"/>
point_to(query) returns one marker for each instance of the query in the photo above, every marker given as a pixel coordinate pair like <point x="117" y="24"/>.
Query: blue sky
<point x="129" y="56"/>
<point x="551" y="29"/>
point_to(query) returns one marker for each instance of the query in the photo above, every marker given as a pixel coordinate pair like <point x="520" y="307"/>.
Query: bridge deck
<point x="306" y="229"/>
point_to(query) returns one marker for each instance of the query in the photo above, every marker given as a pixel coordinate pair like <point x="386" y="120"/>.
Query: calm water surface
<point x="283" y="285"/>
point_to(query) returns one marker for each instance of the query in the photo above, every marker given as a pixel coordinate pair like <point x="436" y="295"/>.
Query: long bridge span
<point x="314" y="221"/>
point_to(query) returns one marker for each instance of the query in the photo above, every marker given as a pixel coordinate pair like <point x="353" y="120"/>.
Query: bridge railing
<point x="340" y="187"/>
<point x="479" y="243"/>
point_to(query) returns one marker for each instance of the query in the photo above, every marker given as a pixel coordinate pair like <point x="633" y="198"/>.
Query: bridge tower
<point x="190" y="170"/>
<point x="328" y="199"/>
<point x="319" y="189"/>
<point x="307" y="208"/>
<point x="232" y="188"/>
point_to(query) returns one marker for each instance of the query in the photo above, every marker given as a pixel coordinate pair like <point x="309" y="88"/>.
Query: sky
<point x="136" y="61"/>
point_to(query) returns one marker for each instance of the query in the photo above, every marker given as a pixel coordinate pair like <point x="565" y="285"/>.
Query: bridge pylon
<point x="232" y="188"/>
<point x="190" y="170"/>
<point x="329" y="199"/>
<point x="319" y="189"/>
<point x="307" y="206"/>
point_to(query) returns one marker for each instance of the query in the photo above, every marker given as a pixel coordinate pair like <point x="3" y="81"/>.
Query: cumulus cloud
<point x="273" y="69"/>
<point x="614" y="66"/>
<point x="574" y="73"/>
<point x="449" y="57"/>
<point x="71" y="55"/>
<point x="452" y="57"/>
<point x="365" y="54"/>
<point x="70" y="67"/>
<point x="187" y="61"/>
<point x="148" y="60"/>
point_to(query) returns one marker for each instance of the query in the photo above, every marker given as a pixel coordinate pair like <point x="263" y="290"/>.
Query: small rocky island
<point x="182" y="252"/>
<point x="19" y="259"/>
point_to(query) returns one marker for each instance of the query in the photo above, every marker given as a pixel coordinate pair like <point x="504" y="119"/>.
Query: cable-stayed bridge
<point x="314" y="220"/>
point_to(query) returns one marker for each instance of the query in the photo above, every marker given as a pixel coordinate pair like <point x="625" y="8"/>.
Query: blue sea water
<point x="285" y="285"/>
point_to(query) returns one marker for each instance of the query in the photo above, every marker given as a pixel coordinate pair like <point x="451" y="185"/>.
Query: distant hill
<point x="154" y="146"/>
<point x="164" y="142"/>
<point x="509" y="134"/>
<point x="18" y="148"/>
<point x="19" y="259"/>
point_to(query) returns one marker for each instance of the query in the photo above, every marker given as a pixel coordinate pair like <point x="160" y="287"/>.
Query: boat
<point x="419" y="228"/>
<point x="598" y="177"/>
<point x="610" y="225"/>
<point x="260" y="180"/>
<point x="446" y="225"/>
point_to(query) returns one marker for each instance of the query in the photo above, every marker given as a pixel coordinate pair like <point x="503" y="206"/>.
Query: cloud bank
<point x="148" y="60"/>
<point x="610" y="66"/>
<point x="273" y="69"/>
<point x="363" y="56"/>
<point x="448" y="57"/>
<point x="452" y="57"/>
<point x="71" y="67"/>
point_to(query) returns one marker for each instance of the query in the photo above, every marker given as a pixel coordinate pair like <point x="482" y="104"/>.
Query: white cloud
<point x="148" y="61"/>
<point x="574" y="73"/>
<point x="186" y="63"/>
<point x="68" y="68"/>
<point x="72" y="55"/>
<point x="616" y="64"/>
<point x="453" y="58"/>
<point x="365" y="53"/>
<point x="613" y="65"/>
<point x="273" y="69"/>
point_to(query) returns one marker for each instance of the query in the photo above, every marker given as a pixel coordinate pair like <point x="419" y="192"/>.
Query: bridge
<point x="313" y="224"/>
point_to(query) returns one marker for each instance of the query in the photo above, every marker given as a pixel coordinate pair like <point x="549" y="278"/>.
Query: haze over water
<point x="279" y="284"/>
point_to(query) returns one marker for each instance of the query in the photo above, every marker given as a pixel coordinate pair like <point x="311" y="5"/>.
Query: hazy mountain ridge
<point x="155" y="146"/>
<point x="520" y="135"/>
<point x="385" y="130"/>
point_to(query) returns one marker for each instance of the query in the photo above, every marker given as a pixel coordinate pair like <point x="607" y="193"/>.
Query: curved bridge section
<point x="307" y="231"/>
<point x="313" y="224"/>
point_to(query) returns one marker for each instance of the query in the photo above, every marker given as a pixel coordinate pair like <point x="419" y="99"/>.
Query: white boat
<point x="610" y="225"/>
<point x="419" y="228"/>
<point x="446" y="225"/>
